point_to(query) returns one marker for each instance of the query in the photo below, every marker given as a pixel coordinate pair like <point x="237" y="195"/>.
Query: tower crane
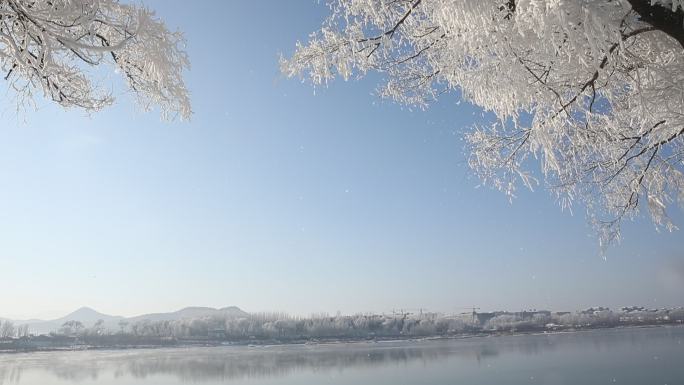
<point x="473" y="309"/>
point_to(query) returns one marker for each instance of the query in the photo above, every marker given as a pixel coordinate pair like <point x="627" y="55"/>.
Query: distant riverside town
<point x="88" y="329"/>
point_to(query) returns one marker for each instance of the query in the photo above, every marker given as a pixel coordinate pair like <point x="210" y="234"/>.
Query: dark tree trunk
<point x="661" y="18"/>
<point x="510" y="6"/>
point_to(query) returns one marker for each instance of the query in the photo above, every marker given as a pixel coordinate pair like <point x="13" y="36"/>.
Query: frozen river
<point x="618" y="356"/>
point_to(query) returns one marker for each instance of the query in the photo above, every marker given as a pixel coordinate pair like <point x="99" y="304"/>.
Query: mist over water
<point x="625" y="356"/>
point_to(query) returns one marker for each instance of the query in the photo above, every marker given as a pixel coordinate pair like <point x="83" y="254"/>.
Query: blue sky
<point x="277" y="198"/>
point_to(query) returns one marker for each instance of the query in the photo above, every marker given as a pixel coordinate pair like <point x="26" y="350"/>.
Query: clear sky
<point x="276" y="198"/>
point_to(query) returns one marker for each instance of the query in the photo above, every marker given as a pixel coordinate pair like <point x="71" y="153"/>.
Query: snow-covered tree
<point x="23" y="331"/>
<point x="7" y="329"/>
<point x="592" y="90"/>
<point x="56" y="48"/>
<point x="72" y="328"/>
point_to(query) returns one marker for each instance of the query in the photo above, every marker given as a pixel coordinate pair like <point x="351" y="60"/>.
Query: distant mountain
<point x="88" y="317"/>
<point x="191" y="312"/>
<point x="85" y="315"/>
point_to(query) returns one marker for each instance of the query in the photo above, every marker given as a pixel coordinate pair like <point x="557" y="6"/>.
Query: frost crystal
<point x="593" y="90"/>
<point x="53" y="47"/>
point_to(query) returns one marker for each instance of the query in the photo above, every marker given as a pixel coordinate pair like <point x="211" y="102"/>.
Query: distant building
<point x="530" y="314"/>
<point x="482" y="318"/>
<point x="217" y="334"/>
<point x="592" y="310"/>
<point x="632" y="309"/>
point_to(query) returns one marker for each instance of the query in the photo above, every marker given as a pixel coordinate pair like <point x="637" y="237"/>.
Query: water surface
<point x="622" y="356"/>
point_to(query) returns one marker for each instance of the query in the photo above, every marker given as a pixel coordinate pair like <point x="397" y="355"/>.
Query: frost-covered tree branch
<point x="592" y="90"/>
<point x="55" y="47"/>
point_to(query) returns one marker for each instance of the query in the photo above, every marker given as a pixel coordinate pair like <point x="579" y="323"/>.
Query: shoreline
<point x="326" y="342"/>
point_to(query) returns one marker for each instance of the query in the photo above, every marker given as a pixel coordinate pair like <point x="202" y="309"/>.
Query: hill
<point x="191" y="312"/>
<point x="88" y="316"/>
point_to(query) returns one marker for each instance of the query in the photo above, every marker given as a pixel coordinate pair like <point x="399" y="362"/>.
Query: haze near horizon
<point x="276" y="198"/>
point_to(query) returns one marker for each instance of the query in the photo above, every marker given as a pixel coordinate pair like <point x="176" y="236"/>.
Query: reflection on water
<point x="473" y="357"/>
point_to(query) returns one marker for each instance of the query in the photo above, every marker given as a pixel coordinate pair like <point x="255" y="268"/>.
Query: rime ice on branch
<point x="593" y="90"/>
<point x="54" y="47"/>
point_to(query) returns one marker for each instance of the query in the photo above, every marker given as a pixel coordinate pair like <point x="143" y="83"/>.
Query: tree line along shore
<point x="279" y="328"/>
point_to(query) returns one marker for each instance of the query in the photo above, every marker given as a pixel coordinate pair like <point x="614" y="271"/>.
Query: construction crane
<point x="401" y="312"/>
<point x="473" y="309"/>
<point x="406" y="312"/>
